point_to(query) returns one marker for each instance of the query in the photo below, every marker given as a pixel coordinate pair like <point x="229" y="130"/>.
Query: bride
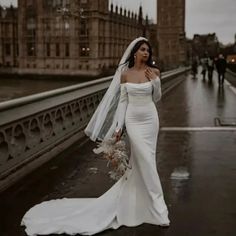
<point x="137" y="196"/>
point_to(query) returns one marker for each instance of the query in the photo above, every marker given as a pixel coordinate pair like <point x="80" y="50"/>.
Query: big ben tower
<point x="171" y="32"/>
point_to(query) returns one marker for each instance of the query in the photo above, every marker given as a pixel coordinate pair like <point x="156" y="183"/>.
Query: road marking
<point x="233" y="89"/>
<point x="198" y="128"/>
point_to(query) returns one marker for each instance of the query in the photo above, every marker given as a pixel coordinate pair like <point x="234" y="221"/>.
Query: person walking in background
<point x="204" y="67"/>
<point x="221" y="65"/>
<point x="210" y="68"/>
<point x="194" y="66"/>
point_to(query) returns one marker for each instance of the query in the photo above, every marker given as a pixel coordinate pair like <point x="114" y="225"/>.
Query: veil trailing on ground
<point x="103" y="122"/>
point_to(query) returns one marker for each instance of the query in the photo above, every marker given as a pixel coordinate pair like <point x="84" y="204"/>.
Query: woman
<point x="137" y="197"/>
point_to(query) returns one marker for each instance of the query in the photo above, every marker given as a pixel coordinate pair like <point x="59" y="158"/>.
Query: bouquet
<point x="115" y="153"/>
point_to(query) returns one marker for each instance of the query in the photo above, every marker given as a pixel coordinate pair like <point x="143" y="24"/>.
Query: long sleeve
<point x="122" y="106"/>
<point x="156" y="83"/>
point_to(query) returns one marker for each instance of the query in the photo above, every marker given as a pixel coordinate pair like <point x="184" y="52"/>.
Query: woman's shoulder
<point x="124" y="76"/>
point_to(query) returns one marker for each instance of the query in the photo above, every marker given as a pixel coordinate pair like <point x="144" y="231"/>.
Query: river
<point x="11" y="88"/>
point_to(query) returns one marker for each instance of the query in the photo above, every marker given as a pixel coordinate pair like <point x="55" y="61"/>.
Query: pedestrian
<point x="210" y="68"/>
<point x="194" y="67"/>
<point x="137" y="197"/>
<point x="221" y="65"/>
<point x="204" y="67"/>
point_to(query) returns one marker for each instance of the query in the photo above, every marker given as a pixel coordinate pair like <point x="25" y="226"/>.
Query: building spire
<point x="140" y="14"/>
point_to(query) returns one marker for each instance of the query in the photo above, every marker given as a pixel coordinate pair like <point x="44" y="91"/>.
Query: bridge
<point x="45" y="155"/>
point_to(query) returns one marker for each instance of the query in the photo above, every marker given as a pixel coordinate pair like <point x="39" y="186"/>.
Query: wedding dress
<point x="135" y="198"/>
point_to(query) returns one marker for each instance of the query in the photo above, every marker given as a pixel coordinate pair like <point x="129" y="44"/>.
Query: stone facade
<point x="205" y="44"/>
<point x="8" y="37"/>
<point x="171" y="32"/>
<point x="68" y="37"/>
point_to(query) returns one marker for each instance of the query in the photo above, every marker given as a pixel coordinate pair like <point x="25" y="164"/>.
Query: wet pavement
<point x="196" y="103"/>
<point x="197" y="169"/>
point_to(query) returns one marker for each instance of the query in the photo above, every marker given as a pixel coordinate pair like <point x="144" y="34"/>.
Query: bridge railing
<point x="35" y="128"/>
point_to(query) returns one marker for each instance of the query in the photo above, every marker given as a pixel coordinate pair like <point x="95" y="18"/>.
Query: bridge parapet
<point x="35" y="128"/>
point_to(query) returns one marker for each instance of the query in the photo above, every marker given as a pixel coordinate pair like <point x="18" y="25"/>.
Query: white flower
<point x="116" y="155"/>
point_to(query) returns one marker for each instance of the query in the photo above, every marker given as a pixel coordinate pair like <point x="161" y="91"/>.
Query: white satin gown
<point x="134" y="199"/>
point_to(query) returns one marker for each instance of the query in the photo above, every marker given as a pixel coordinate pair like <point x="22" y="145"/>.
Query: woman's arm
<point x="121" y="109"/>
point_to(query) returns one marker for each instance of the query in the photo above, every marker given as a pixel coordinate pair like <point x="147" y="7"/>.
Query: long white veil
<point x="103" y="122"/>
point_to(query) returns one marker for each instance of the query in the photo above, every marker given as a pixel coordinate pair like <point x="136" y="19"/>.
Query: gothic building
<point x="85" y="37"/>
<point x="73" y="37"/>
<point x="205" y="44"/>
<point x="171" y="32"/>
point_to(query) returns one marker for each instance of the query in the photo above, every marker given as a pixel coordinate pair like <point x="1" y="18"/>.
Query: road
<point x="190" y="143"/>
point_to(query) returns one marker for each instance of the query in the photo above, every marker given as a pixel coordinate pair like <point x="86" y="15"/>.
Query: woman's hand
<point x="117" y="135"/>
<point x="151" y="74"/>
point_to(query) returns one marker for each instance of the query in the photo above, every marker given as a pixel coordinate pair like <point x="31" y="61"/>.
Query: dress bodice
<point x="139" y="94"/>
<point x="141" y="89"/>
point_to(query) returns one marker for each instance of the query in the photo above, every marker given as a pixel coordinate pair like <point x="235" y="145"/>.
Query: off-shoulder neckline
<point x="142" y="82"/>
<point x="137" y="83"/>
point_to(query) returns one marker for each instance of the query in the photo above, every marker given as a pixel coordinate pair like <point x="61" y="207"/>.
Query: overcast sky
<point x="202" y="16"/>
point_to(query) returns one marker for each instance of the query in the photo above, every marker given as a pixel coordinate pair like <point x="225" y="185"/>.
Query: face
<point x="143" y="53"/>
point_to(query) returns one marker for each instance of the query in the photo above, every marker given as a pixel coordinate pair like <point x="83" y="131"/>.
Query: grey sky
<point x="202" y="16"/>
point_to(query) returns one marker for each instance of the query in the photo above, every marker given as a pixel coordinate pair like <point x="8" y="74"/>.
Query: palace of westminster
<point x="85" y="37"/>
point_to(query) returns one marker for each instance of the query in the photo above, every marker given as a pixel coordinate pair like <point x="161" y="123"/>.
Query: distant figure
<point x="221" y="68"/>
<point x="210" y="68"/>
<point x="204" y="67"/>
<point x="194" y="66"/>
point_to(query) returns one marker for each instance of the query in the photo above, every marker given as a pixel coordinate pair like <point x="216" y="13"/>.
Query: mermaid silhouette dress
<point x="135" y="198"/>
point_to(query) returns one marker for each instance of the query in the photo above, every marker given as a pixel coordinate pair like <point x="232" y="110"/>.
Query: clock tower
<point x="171" y="32"/>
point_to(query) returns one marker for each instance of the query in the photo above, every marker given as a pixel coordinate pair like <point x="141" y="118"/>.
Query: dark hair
<point x="130" y="59"/>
